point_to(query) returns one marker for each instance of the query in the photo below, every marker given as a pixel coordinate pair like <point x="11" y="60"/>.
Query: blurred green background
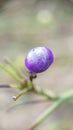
<point x="25" y="24"/>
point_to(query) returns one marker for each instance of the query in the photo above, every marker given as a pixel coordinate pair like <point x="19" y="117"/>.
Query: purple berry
<point x="39" y="59"/>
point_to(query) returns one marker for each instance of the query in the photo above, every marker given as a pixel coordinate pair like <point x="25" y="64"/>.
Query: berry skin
<point x="39" y="59"/>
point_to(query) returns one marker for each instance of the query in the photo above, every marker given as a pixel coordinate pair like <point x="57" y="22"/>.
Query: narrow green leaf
<point x="9" y="71"/>
<point x="14" y="67"/>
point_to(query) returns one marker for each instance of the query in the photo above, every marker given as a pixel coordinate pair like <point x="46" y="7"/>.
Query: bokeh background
<point x="25" y="24"/>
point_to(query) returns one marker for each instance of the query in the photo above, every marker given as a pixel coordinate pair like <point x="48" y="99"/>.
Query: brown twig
<point x="5" y="86"/>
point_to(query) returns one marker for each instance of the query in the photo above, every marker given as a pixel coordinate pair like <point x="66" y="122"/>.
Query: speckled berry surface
<point x="39" y="59"/>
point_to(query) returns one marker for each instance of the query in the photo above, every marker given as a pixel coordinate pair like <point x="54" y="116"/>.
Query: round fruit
<point x="39" y="59"/>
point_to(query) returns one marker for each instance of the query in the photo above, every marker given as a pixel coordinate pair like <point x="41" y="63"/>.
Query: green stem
<point x="44" y="115"/>
<point x="48" y="94"/>
<point x="15" y="68"/>
<point x="10" y="73"/>
<point x="20" y="94"/>
<point x="63" y="97"/>
<point x="27" y="87"/>
<point x="66" y="95"/>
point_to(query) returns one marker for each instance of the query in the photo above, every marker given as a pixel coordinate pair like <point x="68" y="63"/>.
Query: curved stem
<point x="63" y="97"/>
<point x="44" y="115"/>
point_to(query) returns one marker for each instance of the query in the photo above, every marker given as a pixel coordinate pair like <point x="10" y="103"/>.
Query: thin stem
<point x="9" y="72"/>
<point x="15" y="86"/>
<point x="35" y="102"/>
<point x="4" y="86"/>
<point x="48" y="94"/>
<point x="15" y="68"/>
<point x="63" y="97"/>
<point x="44" y="115"/>
<point x="32" y="102"/>
<point x="66" y="95"/>
<point x="20" y="94"/>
